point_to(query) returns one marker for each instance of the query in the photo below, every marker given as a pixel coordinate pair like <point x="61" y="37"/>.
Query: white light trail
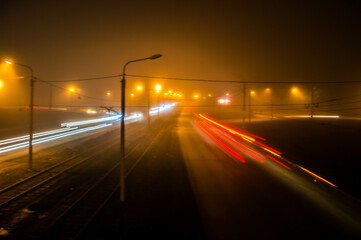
<point x="50" y="138"/>
<point x="161" y="108"/>
<point x="36" y="135"/>
<point x="96" y="120"/>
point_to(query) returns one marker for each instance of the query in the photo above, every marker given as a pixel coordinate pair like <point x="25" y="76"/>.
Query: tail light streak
<point x="229" y="138"/>
<point x="223" y="145"/>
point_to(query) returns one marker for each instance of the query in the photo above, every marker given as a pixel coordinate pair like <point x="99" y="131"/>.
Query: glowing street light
<point x="122" y="125"/>
<point x="294" y="90"/>
<point x="108" y="93"/>
<point x="71" y="89"/>
<point x="158" y="87"/>
<point x="139" y="88"/>
<point x="195" y="95"/>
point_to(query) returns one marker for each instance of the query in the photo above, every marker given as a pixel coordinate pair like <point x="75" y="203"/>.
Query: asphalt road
<point x="252" y="200"/>
<point x="186" y="187"/>
<point x="183" y="185"/>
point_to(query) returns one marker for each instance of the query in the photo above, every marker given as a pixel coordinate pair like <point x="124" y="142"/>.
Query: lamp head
<point x="155" y="56"/>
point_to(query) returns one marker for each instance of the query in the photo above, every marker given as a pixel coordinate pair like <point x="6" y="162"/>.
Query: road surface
<point x="185" y="185"/>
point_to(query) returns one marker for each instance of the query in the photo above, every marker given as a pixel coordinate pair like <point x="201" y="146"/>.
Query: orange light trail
<point x="277" y="161"/>
<point x="227" y="133"/>
<point x="247" y="138"/>
<point x="265" y="146"/>
<point x="224" y="146"/>
<point x="316" y="176"/>
<point x="243" y="148"/>
<point x="228" y="129"/>
<point x="224" y="124"/>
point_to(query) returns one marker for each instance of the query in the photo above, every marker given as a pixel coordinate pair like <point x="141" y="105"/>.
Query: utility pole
<point x="50" y="97"/>
<point x="244" y="106"/>
<point x="249" y="107"/>
<point x="312" y="100"/>
<point x="148" y="103"/>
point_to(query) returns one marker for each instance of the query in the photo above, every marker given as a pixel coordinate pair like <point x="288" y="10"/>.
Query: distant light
<point x="268" y="89"/>
<point x="209" y="95"/>
<point x="226" y="100"/>
<point x="253" y="92"/>
<point x="8" y="62"/>
<point x="294" y="90"/>
<point x="227" y="94"/>
<point x="158" y="87"/>
<point x="221" y="101"/>
<point x="91" y="111"/>
<point x="170" y="91"/>
<point x="132" y="94"/>
<point x="195" y="95"/>
<point x="139" y="87"/>
<point x="166" y="93"/>
<point x="71" y="89"/>
<point x="1" y="84"/>
<point x="109" y="93"/>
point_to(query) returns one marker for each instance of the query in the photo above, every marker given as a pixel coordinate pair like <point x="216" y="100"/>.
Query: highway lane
<point x="255" y="200"/>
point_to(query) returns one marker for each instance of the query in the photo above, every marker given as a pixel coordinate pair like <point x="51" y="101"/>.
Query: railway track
<point x="77" y="217"/>
<point x="16" y="199"/>
<point x="69" y="214"/>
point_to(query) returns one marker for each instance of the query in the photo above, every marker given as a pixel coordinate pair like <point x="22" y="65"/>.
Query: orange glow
<point x="294" y="90"/>
<point x="316" y="176"/>
<point x="109" y="93"/>
<point x="71" y="89"/>
<point x="1" y="84"/>
<point x="132" y="94"/>
<point x="195" y="95"/>
<point x="8" y="62"/>
<point x="253" y="92"/>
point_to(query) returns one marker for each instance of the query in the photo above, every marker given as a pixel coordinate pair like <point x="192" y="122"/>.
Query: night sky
<point x="230" y="40"/>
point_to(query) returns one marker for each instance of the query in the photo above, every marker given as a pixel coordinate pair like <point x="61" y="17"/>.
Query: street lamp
<point x="122" y="126"/>
<point x="31" y="113"/>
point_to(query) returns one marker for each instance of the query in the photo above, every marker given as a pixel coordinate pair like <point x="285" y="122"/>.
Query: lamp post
<point x="122" y="127"/>
<point x="31" y="112"/>
<point x="158" y="88"/>
<point x="251" y="93"/>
